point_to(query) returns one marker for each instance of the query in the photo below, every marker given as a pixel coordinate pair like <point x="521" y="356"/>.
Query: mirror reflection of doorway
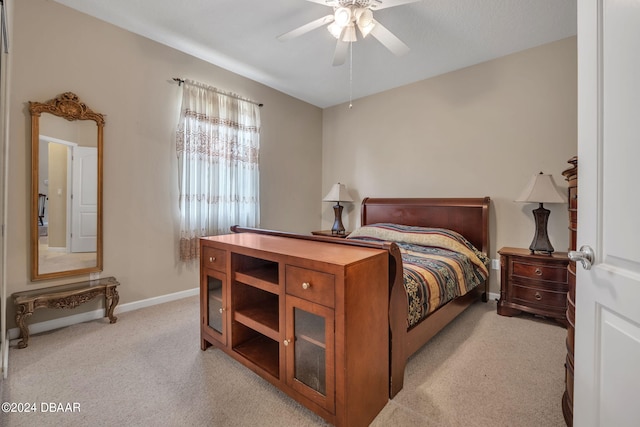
<point x="68" y="179"/>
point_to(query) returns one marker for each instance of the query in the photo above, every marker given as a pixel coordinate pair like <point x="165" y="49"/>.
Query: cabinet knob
<point x="221" y="310"/>
<point x="538" y="272"/>
<point x="211" y="259"/>
<point x="306" y="285"/>
<point x="537" y="296"/>
<point x="286" y="342"/>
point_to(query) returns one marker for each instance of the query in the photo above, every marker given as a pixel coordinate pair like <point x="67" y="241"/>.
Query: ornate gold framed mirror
<point x="66" y="188"/>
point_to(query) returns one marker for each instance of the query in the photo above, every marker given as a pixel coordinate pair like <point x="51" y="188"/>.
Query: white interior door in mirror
<point x="84" y="201"/>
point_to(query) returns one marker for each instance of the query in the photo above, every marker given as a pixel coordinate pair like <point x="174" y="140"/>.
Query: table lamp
<point x="541" y="189"/>
<point x="337" y="194"/>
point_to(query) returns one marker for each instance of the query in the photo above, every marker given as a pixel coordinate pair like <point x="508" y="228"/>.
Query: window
<point x="218" y="145"/>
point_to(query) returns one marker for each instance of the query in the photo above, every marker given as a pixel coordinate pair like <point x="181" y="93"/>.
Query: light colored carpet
<point x="148" y="370"/>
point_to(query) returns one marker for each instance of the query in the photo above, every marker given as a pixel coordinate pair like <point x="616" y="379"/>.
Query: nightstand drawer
<point x="310" y="285"/>
<point x="214" y="258"/>
<point x="533" y="296"/>
<point x="540" y="272"/>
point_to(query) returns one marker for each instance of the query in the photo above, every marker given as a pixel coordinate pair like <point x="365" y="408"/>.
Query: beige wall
<point x="55" y="49"/>
<point x="480" y="131"/>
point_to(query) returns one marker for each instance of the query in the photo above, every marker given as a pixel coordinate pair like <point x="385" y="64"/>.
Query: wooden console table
<point x="64" y="296"/>
<point x="309" y="317"/>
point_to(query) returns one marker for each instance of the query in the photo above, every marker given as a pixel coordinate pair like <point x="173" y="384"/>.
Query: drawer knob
<point x="538" y="272"/>
<point x="537" y="296"/>
<point x="306" y="285"/>
<point x="211" y="259"/>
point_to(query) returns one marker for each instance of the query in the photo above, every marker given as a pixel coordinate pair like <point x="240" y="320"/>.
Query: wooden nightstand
<point x="533" y="283"/>
<point x="329" y="233"/>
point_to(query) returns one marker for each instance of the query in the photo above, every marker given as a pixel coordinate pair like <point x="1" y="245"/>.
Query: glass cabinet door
<point x="309" y="351"/>
<point x="214" y="311"/>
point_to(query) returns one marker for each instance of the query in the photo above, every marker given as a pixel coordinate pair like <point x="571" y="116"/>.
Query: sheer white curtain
<point x="217" y="144"/>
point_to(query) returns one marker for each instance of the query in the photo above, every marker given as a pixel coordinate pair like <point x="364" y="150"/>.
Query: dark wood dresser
<point x="571" y="175"/>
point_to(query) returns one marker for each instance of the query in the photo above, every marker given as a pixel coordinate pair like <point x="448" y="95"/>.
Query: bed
<point x="461" y="219"/>
<point x="467" y="216"/>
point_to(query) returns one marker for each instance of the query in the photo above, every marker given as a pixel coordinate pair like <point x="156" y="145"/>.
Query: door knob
<point x="585" y="255"/>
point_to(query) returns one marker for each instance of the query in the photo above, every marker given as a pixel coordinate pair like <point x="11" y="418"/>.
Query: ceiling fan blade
<point x="389" y="40"/>
<point x="376" y="5"/>
<point x="306" y="28"/>
<point x="324" y="2"/>
<point x="340" y="55"/>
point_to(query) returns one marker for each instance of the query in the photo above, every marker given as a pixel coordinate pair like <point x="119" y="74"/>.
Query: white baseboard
<point x="62" y="322"/>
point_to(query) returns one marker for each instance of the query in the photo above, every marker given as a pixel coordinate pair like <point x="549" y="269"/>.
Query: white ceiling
<point x="240" y="36"/>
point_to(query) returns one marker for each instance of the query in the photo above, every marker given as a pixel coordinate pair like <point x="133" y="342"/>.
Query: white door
<point x="84" y="202"/>
<point x="607" y="347"/>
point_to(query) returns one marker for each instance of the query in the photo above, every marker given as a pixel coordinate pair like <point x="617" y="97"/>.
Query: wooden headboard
<point x="467" y="216"/>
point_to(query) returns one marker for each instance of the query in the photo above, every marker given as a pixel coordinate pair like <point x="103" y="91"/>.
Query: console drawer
<point x="310" y="285"/>
<point x="214" y="258"/>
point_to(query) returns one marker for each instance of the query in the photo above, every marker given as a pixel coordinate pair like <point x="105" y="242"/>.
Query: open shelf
<point x="257" y="272"/>
<point x="261" y="351"/>
<point x="256" y="309"/>
<point x="263" y="319"/>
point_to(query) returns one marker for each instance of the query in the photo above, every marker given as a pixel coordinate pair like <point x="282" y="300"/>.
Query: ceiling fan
<point x="347" y="15"/>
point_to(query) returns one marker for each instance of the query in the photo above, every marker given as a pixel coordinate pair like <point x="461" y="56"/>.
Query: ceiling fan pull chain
<point x="350" y="75"/>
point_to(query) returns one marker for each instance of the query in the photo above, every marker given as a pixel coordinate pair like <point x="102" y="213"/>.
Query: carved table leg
<point x="111" y="299"/>
<point x="21" y="316"/>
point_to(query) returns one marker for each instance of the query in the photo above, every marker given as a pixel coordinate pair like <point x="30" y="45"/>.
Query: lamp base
<point x="541" y="241"/>
<point x="337" y="228"/>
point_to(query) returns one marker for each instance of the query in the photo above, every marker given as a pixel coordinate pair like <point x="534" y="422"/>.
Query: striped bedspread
<point x="438" y="264"/>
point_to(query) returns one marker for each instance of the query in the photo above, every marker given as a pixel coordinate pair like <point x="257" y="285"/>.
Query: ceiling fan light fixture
<point x="364" y="16"/>
<point x="364" y="19"/>
<point x="349" y="34"/>
<point x="342" y="23"/>
<point x="342" y="16"/>
<point x="335" y="30"/>
<point x="366" y="30"/>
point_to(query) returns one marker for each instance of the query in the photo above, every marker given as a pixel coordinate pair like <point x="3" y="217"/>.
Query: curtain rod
<point x="233" y="95"/>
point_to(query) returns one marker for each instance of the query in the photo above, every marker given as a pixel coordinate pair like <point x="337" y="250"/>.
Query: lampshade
<point x="541" y="189"/>
<point x="342" y="16"/>
<point x="338" y="193"/>
<point x="335" y="30"/>
<point x="364" y="19"/>
<point x="349" y="34"/>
